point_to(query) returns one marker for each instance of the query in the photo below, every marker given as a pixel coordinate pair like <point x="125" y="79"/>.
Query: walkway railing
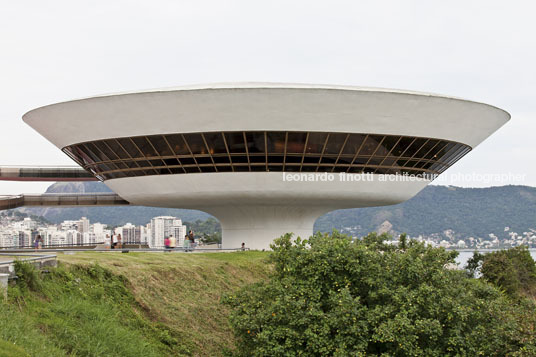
<point x="124" y="249"/>
<point x="40" y="260"/>
<point x="45" y="173"/>
<point x="62" y="199"/>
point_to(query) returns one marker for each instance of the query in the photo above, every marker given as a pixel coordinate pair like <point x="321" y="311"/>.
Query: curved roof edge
<point x="271" y="85"/>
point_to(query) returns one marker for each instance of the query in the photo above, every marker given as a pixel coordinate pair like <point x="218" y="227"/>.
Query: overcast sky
<point x="53" y="51"/>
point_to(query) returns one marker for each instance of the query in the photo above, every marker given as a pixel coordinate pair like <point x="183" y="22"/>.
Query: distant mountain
<point x="446" y="211"/>
<point x="108" y="215"/>
<point x="452" y="212"/>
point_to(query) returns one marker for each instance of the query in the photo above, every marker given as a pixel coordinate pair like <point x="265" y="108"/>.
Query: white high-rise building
<point x="164" y="226"/>
<point x="69" y="225"/>
<point x="133" y="234"/>
<point x="9" y="238"/>
<point x="28" y="223"/>
<point x="98" y="228"/>
<point x="83" y="226"/>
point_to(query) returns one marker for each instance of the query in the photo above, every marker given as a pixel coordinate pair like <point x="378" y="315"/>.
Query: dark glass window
<point x="99" y="149"/>
<point x="144" y="146"/>
<point x="86" y="149"/>
<point x="241" y="159"/>
<point x="235" y="142"/>
<point x="426" y="148"/>
<point x="387" y="145"/>
<point x="177" y="144"/>
<point x="265" y="151"/>
<point x="255" y="142"/>
<point x="370" y="145"/>
<point x="215" y="143"/>
<point x="353" y="144"/>
<point x="316" y="142"/>
<point x="196" y="144"/>
<point x="294" y="159"/>
<point x="275" y="158"/>
<point x="296" y="143"/>
<point x="402" y="145"/>
<point x="433" y="154"/>
<point x="412" y="150"/>
<point x="257" y="158"/>
<point x="221" y="159"/>
<point x="115" y="149"/>
<point x="171" y="162"/>
<point x="128" y="145"/>
<point x="160" y="144"/>
<point x="203" y="160"/>
<point x="335" y="143"/>
<point x="275" y="142"/>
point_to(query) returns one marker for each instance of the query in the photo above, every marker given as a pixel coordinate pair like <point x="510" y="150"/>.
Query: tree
<point x="474" y="264"/>
<point x="330" y="295"/>
<point x="209" y="231"/>
<point x="513" y="270"/>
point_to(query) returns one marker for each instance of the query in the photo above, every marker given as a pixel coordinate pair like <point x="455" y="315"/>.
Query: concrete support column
<point x="258" y="226"/>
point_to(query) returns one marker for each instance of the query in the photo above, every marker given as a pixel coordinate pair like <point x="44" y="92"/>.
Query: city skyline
<point x="16" y="232"/>
<point x="21" y="232"/>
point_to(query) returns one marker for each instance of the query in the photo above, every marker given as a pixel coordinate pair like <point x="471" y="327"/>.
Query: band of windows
<point x="265" y="151"/>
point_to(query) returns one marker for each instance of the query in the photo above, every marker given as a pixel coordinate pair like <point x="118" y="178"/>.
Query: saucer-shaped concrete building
<point x="225" y="149"/>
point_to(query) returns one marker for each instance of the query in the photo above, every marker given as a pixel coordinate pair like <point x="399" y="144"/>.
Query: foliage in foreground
<point x="333" y="296"/>
<point x="82" y="311"/>
<point x="513" y="270"/>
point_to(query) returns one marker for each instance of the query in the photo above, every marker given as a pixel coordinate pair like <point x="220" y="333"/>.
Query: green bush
<point x="512" y="269"/>
<point x="28" y="276"/>
<point x="332" y="296"/>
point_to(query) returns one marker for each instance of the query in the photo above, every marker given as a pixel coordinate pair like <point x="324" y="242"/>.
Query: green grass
<point x="113" y="304"/>
<point x="20" y="332"/>
<point x="8" y="349"/>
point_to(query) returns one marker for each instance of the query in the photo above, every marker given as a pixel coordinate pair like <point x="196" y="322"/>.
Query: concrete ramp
<point x="62" y="200"/>
<point x="45" y="173"/>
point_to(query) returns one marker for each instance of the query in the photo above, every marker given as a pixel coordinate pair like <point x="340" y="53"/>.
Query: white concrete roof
<point x="267" y="106"/>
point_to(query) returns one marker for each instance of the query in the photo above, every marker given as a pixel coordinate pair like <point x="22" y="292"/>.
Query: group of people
<point x="114" y="242"/>
<point x="170" y="242"/>
<point x="189" y="244"/>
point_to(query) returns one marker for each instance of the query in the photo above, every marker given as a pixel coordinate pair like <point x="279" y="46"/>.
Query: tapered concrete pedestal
<point x="258" y="226"/>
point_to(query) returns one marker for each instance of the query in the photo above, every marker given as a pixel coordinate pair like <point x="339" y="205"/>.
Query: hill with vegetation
<point x="436" y="210"/>
<point x="465" y="212"/>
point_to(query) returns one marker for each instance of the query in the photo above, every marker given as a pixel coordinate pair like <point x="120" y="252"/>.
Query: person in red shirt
<point x="166" y="242"/>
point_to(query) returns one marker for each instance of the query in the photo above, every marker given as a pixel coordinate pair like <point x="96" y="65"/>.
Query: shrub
<point x="512" y="269"/>
<point x="331" y="295"/>
<point x="28" y="276"/>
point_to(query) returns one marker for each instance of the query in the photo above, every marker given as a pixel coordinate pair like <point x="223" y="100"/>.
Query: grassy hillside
<point x="132" y="304"/>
